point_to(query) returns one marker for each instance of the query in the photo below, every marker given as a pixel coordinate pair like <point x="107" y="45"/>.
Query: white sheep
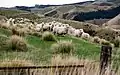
<point x="77" y="32"/>
<point x="39" y="27"/>
<point x="46" y="26"/>
<point x="71" y="30"/>
<point x="61" y="30"/>
<point x="55" y="28"/>
<point x="85" y="36"/>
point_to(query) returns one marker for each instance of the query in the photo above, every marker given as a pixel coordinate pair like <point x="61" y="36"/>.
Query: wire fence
<point x="58" y="70"/>
<point x="43" y="70"/>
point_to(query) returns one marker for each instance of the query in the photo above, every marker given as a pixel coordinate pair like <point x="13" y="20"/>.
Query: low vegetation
<point x="11" y="12"/>
<point x="64" y="47"/>
<point x="17" y="43"/>
<point x="39" y="50"/>
<point x="48" y="36"/>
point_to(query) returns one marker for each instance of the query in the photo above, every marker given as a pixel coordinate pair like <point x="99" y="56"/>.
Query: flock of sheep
<point x="61" y="29"/>
<point x="56" y="27"/>
<point x="21" y="26"/>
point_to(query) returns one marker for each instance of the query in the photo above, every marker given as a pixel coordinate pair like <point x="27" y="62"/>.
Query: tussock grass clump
<point x="48" y="36"/>
<point x="17" y="43"/>
<point x="96" y="39"/>
<point x="63" y="47"/>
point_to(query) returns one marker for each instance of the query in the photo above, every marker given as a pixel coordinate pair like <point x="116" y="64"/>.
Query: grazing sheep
<point x="81" y="31"/>
<point x="77" y="32"/>
<point x="85" y="36"/>
<point x="46" y="27"/>
<point x="19" y="32"/>
<point x="55" y="29"/>
<point x="9" y="21"/>
<point x="96" y="39"/>
<point x="71" y="30"/>
<point x="61" y="30"/>
<point x="39" y="27"/>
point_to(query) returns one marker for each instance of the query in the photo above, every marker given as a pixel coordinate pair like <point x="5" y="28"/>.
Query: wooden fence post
<point x="105" y="58"/>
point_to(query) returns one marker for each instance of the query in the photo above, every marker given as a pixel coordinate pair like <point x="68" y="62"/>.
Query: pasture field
<point x="40" y="50"/>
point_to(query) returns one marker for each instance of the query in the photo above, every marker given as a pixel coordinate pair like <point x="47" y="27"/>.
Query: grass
<point x="84" y="48"/>
<point x="48" y="36"/>
<point x="8" y="12"/>
<point x="40" y="50"/>
<point x="17" y="43"/>
<point x="63" y="47"/>
<point x="5" y="32"/>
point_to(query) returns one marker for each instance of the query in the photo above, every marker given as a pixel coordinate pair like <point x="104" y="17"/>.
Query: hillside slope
<point x="40" y="51"/>
<point x="115" y="22"/>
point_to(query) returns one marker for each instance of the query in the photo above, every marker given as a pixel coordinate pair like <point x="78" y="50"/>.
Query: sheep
<point x="96" y="39"/>
<point x="9" y="21"/>
<point x="77" y="33"/>
<point x="46" y="27"/>
<point x="55" y="28"/>
<point x="70" y="30"/>
<point x="18" y="32"/>
<point x="85" y="36"/>
<point x="61" y="30"/>
<point x="81" y="31"/>
<point x="39" y="27"/>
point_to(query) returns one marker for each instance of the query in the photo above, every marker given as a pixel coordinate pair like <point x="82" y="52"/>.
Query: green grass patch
<point x="40" y="50"/>
<point x="5" y="32"/>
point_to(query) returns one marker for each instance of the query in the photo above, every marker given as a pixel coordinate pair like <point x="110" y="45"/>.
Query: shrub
<point x="17" y="43"/>
<point x="96" y="39"/>
<point x="116" y="42"/>
<point x="48" y="36"/>
<point x="63" y="47"/>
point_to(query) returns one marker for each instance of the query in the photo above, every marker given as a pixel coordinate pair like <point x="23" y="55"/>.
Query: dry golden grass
<point x="15" y="63"/>
<point x="17" y="43"/>
<point x="91" y="67"/>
